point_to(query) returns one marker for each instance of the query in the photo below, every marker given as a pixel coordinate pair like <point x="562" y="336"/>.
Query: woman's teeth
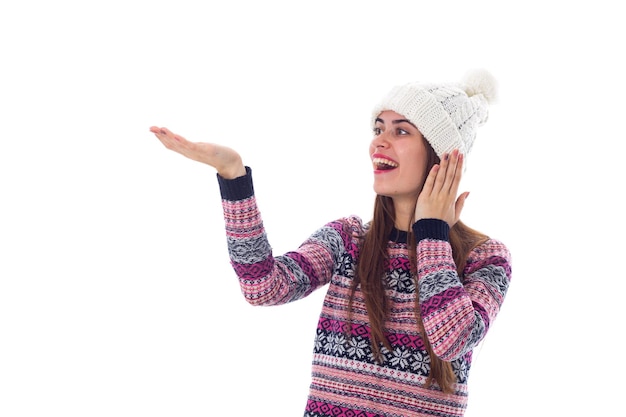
<point x="384" y="164"/>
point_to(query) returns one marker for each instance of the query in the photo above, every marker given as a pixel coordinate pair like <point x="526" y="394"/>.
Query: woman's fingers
<point x="180" y="145"/>
<point x="165" y="136"/>
<point x="438" y="198"/>
<point x="429" y="184"/>
<point x="442" y="174"/>
<point x="458" y="206"/>
<point x="452" y="174"/>
<point x="455" y="172"/>
<point x="175" y="142"/>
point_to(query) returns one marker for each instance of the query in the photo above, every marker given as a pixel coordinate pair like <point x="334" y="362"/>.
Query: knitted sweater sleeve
<point x="266" y="279"/>
<point x="457" y="314"/>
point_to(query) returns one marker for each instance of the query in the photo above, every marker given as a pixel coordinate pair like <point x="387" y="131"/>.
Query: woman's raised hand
<point x="438" y="199"/>
<point x="225" y="160"/>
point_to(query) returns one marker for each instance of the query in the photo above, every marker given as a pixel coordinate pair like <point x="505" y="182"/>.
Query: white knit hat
<point x="446" y="114"/>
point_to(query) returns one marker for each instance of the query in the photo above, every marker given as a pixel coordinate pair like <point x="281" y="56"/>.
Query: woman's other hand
<point x="438" y="199"/>
<point x="225" y="160"/>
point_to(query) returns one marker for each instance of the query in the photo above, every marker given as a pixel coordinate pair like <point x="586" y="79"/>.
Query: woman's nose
<point x="380" y="141"/>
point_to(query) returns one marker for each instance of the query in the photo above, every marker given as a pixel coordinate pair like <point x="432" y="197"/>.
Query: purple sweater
<point x="346" y="379"/>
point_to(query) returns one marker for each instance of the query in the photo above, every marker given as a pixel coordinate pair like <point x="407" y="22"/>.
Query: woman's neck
<point x="404" y="214"/>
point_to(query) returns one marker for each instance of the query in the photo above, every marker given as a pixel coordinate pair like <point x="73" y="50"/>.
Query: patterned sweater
<point x="346" y="379"/>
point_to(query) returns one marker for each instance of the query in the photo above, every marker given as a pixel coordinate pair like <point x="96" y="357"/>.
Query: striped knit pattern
<point x="346" y="379"/>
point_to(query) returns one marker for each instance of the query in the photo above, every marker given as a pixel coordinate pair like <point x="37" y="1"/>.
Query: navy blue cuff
<point x="238" y="188"/>
<point x="431" y="229"/>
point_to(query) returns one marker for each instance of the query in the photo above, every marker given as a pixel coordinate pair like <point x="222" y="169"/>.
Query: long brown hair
<point x="370" y="271"/>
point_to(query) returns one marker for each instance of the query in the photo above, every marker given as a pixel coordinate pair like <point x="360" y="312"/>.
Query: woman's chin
<point x="383" y="191"/>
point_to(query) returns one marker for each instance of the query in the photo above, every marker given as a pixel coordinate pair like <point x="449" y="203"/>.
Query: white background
<point x="116" y="293"/>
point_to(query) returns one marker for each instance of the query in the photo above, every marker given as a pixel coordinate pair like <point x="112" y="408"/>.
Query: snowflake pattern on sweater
<point x="346" y="378"/>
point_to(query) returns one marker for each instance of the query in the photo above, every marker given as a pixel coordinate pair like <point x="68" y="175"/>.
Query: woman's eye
<point x="402" y="132"/>
<point x="377" y="131"/>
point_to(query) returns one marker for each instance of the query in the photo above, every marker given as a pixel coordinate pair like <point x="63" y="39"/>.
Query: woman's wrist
<point x="232" y="172"/>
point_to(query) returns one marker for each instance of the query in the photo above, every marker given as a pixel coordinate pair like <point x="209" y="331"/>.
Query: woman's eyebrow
<point x="379" y="120"/>
<point x="403" y="121"/>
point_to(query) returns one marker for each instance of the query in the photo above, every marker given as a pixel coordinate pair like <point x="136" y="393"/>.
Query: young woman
<point x="409" y="293"/>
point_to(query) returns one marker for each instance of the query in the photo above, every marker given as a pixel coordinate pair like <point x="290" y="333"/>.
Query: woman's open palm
<point x="225" y="160"/>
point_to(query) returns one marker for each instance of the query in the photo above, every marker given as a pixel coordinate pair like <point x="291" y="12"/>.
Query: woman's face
<point x="399" y="157"/>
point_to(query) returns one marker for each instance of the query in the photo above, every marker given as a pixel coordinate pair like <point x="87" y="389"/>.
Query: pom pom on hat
<point x="446" y="114"/>
<point x="481" y="82"/>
